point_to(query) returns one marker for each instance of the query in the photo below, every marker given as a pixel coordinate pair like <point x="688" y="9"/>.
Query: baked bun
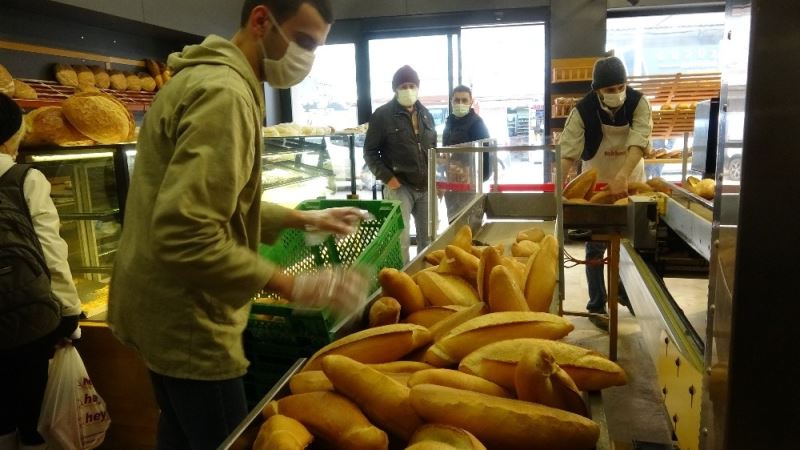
<point x="101" y="77"/>
<point x="85" y="75"/>
<point x="6" y="82"/>
<point x="48" y="126"/>
<point x="24" y="91"/>
<point x="134" y="83"/>
<point x="66" y="75"/>
<point x="99" y="116"/>
<point x="118" y="80"/>
<point x="148" y="82"/>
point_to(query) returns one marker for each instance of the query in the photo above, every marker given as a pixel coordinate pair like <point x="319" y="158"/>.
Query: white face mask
<point x="460" y="110"/>
<point x="614" y="100"/>
<point x="292" y="68"/>
<point x="407" y="97"/>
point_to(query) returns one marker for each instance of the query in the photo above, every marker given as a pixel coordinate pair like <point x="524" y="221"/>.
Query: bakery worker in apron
<point x="608" y="130"/>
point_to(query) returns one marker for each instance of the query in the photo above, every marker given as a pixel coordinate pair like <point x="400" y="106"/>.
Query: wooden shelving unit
<point x="51" y="93"/>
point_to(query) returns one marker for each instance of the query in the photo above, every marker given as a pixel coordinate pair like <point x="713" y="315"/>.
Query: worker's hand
<point x="394" y="183"/>
<point x="341" y="290"/>
<point x="336" y="220"/>
<point x="619" y="186"/>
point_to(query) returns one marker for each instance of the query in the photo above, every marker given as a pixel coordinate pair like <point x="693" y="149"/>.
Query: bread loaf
<point x="461" y="263"/>
<point x="442" y="328"/>
<point x="101" y="77"/>
<point x="705" y="188"/>
<point x="490" y="259"/>
<point x="504" y="423"/>
<point x="48" y="126"/>
<point x="431" y="445"/>
<point x="636" y="187"/>
<point x="524" y="249"/>
<point x="603" y="198"/>
<point x="316" y="380"/>
<point x="401" y="287"/>
<point x="66" y="75"/>
<point x="6" y="82"/>
<point x="400" y="367"/>
<point x="504" y="292"/>
<point x="542" y="274"/>
<point x="383" y="400"/>
<point x="24" y="91"/>
<point x="497" y="362"/>
<point x="98" y="116"/>
<point x="463" y="238"/>
<point x="155" y="72"/>
<point x="494" y="327"/>
<point x="282" y="433"/>
<point x="118" y="80"/>
<point x="384" y="311"/>
<point x="539" y="379"/>
<point x="518" y="269"/>
<point x="375" y="345"/>
<point x="85" y="75"/>
<point x="166" y="72"/>
<point x="430" y="316"/>
<point x="148" y="83"/>
<point x="454" y="437"/>
<point x="134" y="83"/>
<point x="458" y="380"/>
<point x="534" y="234"/>
<point x="434" y="257"/>
<point x="443" y="289"/>
<point x="343" y="425"/>
<point x="621" y="202"/>
<point x="581" y="185"/>
<point x="660" y="185"/>
<point x="478" y="250"/>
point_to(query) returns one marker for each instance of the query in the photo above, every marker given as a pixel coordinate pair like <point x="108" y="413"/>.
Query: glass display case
<point x="89" y="196"/>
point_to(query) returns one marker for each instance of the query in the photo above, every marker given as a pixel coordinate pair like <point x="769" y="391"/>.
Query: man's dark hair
<point x="284" y="9"/>
<point x="462" y="88"/>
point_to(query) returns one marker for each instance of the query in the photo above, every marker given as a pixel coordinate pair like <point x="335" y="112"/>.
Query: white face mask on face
<point x="292" y="68"/>
<point x="407" y="97"/>
<point x="614" y="100"/>
<point x="460" y="109"/>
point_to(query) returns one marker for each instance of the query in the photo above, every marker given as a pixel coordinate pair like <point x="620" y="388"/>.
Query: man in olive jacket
<point x="187" y="267"/>
<point x="396" y="151"/>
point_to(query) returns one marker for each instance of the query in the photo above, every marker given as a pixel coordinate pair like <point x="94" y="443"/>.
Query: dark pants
<point x="197" y="415"/>
<point x="23" y="376"/>
<point x="595" y="278"/>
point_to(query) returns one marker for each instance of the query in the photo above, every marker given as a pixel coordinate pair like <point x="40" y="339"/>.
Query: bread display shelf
<point x="666" y="161"/>
<point x="51" y="93"/>
<point x="568" y="70"/>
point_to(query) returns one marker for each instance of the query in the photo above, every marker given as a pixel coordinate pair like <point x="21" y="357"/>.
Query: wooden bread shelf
<point x="51" y="93"/>
<point x="671" y="122"/>
<point x="678" y="88"/>
<point x="569" y="70"/>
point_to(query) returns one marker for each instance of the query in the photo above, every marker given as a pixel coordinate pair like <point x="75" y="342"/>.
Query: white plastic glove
<point x="340" y="290"/>
<point x="337" y="220"/>
<point x="76" y="334"/>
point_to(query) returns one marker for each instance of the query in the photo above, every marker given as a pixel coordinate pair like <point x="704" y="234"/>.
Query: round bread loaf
<point x="98" y="116"/>
<point x="118" y="80"/>
<point x="48" y="126"/>
<point x="66" y="75"/>
<point x="6" y="82"/>
<point x="101" y="77"/>
<point x="24" y="91"/>
<point x="147" y="81"/>
<point x="85" y="76"/>
<point x="134" y="83"/>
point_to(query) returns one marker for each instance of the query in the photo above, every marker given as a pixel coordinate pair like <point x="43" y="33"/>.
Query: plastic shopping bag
<point x="73" y="417"/>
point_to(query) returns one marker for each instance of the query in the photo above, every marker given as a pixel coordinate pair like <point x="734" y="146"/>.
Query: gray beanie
<point x="608" y="72"/>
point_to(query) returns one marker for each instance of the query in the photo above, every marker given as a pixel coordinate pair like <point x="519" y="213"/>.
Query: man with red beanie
<point x="396" y="150"/>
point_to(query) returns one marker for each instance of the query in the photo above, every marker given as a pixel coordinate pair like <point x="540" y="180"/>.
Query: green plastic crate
<point x="277" y="332"/>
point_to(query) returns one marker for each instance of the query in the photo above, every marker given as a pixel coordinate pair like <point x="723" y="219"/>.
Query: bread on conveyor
<point x="134" y="83"/>
<point x="539" y="379"/>
<point x="458" y="380"/>
<point x="24" y="91"/>
<point x="147" y="81"/>
<point x="384" y="311"/>
<point x="85" y="75"/>
<point x="118" y="80"/>
<point x="282" y="433"/>
<point x="6" y="82"/>
<point x="582" y="185"/>
<point x="450" y="437"/>
<point x="401" y="287"/>
<point x="49" y="126"/>
<point x="66" y="75"/>
<point x="101" y="78"/>
<point x="98" y="116"/>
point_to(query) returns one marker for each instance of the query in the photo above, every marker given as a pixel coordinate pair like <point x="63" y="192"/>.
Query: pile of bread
<point x="91" y="78"/>
<point x="581" y="190"/>
<point x="679" y="107"/>
<point x="15" y="88"/>
<point x="704" y="188"/>
<point x="85" y="118"/>
<point x="294" y="129"/>
<point x="474" y="364"/>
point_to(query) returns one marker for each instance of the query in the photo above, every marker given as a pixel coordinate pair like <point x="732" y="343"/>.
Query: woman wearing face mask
<point x="609" y="130"/>
<point x="396" y="151"/>
<point x="463" y="125"/>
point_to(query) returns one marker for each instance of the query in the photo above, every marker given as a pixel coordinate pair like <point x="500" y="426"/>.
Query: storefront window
<point x="667" y="44"/>
<point x="327" y="97"/>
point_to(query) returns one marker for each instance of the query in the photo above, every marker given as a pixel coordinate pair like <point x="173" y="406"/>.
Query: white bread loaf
<point x="542" y="274"/>
<point x="497" y="362"/>
<point x="452" y="437"/>
<point x="384" y="311"/>
<point x="443" y="289"/>
<point x="458" y="380"/>
<point x="504" y="292"/>
<point x="430" y="316"/>
<point x="539" y="379"/>
<point x="401" y="287"/>
<point x="442" y="328"/>
<point x="494" y="327"/>
<point x="282" y="433"/>
<point x="502" y="423"/>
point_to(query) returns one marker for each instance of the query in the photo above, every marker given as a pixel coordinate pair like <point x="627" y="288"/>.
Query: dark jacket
<point x="458" y="130"/>
<point x="594" y="118"/>
<point x="392" y="149"/>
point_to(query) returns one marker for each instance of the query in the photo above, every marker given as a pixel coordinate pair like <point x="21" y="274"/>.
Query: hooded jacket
<point x="187" y="267"/>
